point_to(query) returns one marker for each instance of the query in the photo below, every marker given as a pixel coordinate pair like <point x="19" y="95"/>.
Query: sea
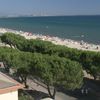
<point x="86" y="28"/>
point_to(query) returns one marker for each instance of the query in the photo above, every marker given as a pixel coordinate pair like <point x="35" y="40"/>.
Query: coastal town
<point x="49" y="49"/>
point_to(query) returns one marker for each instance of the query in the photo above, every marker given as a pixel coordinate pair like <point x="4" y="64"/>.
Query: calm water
<point x="85" y="28"/>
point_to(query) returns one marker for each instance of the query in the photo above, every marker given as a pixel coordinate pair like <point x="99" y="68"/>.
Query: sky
<point x="49" y="7"/>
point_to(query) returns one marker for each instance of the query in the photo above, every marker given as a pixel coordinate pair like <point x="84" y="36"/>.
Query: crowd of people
<point x="56" y="40"/>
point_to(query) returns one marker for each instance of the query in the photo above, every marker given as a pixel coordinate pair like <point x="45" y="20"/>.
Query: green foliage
<point x="53" y="70"/>
<point x="96" y="59"/>
<point x="22" y="95"/>
<point x="38" y="46"/>
<point x="14" y="40"/>
<point x="86" y="58"/>
<point x="95" y="71"/>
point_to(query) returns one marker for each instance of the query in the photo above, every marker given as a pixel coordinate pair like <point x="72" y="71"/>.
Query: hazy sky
<point x="50" y="7"/>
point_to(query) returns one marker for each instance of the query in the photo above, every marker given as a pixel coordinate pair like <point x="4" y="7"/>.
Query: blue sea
<point x="86" y="28"/>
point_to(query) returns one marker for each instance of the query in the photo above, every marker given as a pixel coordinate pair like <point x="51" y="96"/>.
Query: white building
<point x="8" y="88"/>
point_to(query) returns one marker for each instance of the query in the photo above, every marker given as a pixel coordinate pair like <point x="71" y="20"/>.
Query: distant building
<point x="8" y="88"/>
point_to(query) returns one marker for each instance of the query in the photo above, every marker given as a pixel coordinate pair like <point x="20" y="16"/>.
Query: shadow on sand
<point x="92" y="87"/>
<point x="37" y="95"/>
<point x="89" y="91"/>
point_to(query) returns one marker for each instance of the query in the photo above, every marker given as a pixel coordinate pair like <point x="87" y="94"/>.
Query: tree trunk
<point x="94" y="77"/>
<point x="52" y="95"/>
<point x="25" y="82"/>
<point x="23" y="79"/>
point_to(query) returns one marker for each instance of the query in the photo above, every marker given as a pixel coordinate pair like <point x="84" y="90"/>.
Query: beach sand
<point x="81" y="45"/>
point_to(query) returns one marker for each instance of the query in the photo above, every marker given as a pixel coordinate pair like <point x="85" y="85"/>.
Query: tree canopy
<point x="53" y="64"/>
<point x="52" y="70"/>
<point x="88" y="59"/>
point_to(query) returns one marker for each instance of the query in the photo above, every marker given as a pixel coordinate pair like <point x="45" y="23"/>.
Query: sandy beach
<point x="81" y="45"/>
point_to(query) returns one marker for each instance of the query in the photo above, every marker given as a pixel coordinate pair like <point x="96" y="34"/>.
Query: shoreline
<point x="80" y="45"/>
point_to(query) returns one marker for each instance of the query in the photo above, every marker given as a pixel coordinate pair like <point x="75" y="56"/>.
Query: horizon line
<point x="11" y="16"/>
